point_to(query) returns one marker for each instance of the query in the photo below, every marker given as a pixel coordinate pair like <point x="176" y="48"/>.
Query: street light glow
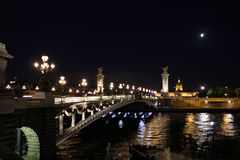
<point x="44" y="58"/>
<point x="84" y="82"/>
<point x="24" y="87"/>
<point x="120" y="86"/>
<point x="8" y="87"/>
<point x="133" y="87"/>
<point x="62" y="81"/>
<point x="111" y="86"/>
<point x="202" y="87"/>
<point x="36" y="65"/>
<point x="44" y="67"/>
<point x="36" y="88"/>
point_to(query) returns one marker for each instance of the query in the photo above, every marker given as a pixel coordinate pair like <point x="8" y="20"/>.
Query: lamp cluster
<point x="128" y="88"/>
<point x="44" y="66"/>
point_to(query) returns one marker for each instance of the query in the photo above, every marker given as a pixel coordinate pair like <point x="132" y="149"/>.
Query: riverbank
<point x="205" y="103"/>
<point x="198" y="110"/>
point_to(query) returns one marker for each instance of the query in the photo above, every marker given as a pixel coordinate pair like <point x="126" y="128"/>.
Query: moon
<point x="202" y="35"/>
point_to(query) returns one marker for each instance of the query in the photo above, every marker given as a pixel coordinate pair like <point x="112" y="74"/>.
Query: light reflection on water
<point x="203" y="126"/>
<point x="228" y="127"/>
<point x="153" y="132"/>
<point x="159" y="130"/>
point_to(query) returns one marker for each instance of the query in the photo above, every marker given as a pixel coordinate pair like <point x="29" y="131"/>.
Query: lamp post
<point x="44" y="67"/>
<point x="84" y="84"/>
<point x="62" y="82"/>
<point x="111" y="87"/>
<point x="202" y="91"/>
<point x="120" y="87"/>
<point x="132" y="92"/>
<point x="127" y="91"/>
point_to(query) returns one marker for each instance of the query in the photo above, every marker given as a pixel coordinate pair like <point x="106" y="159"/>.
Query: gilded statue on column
<point x="165" y="70"/>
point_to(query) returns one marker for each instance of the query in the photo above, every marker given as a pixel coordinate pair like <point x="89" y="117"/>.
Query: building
<point x="179" y="92"/>
<point x="179" y="86"/>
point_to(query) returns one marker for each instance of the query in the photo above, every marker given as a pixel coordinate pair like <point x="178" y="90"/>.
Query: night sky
<point x="132" y="43"/>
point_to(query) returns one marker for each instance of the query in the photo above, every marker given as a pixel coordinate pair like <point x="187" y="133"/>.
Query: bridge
<point x="32" y="128"/>
<point x="28" y="126"/>
<point x="101" y="113"/>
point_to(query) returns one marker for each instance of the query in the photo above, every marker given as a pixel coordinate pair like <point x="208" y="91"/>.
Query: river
<point x="216" y="134"/>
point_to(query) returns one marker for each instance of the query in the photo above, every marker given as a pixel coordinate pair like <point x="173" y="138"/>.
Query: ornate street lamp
<point x="84" y="84"/>
<point x="53" y="89"/>
<point x="44" y="67"/>
<point x="24" y="87"/>
<point x="62" y="82"/>
<point x="111" y="87"/>
<point x="120" y="86"/>
<point x="37" y="88"/>
<point x="8" y="87"/>
<point x="70" y="90"/>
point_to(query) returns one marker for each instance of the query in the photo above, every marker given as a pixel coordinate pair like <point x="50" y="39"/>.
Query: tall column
<point x="61" y="124"/>
<point x="100" y="81"/>
<point x="92" y="112"/>
<point x="165" y="75"/>
<point x="73" y="120"/>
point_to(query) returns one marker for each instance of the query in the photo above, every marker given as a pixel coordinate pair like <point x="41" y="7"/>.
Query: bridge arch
<point x="82" y="124"/>
<point x="33" y="144"/>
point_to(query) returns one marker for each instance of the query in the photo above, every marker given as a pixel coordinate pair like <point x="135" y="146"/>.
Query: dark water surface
<point x="215" y="133"/>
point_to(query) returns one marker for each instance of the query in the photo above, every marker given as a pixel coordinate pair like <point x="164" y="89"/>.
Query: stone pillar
<point x="4" y="55"/>
<point x="165" y="88"/>
<point x="100" y="81"/>
<point x="61" y="124"/>
<point x="165" y="75"/>
<point x="73" y="120"/>
<point x="83" y="116"/>
<point x="19" y="141"/>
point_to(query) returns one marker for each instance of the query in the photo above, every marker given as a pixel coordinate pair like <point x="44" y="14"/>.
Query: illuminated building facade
<point x="179" y="92"/>
<point x="179" y="86"/>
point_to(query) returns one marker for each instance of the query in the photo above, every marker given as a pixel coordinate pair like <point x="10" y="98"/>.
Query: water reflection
<point x="200" y="127"/>
<point x="205" y="128"/>
<point x="227" y="127"/>
<point x="153" y="132"/>
<point x="190" y="126"/>
<point x="157" y="130"/>
<point x="120" y="124"/>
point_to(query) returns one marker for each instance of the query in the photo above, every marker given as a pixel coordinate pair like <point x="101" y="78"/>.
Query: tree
<point x="237" y="90"/>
